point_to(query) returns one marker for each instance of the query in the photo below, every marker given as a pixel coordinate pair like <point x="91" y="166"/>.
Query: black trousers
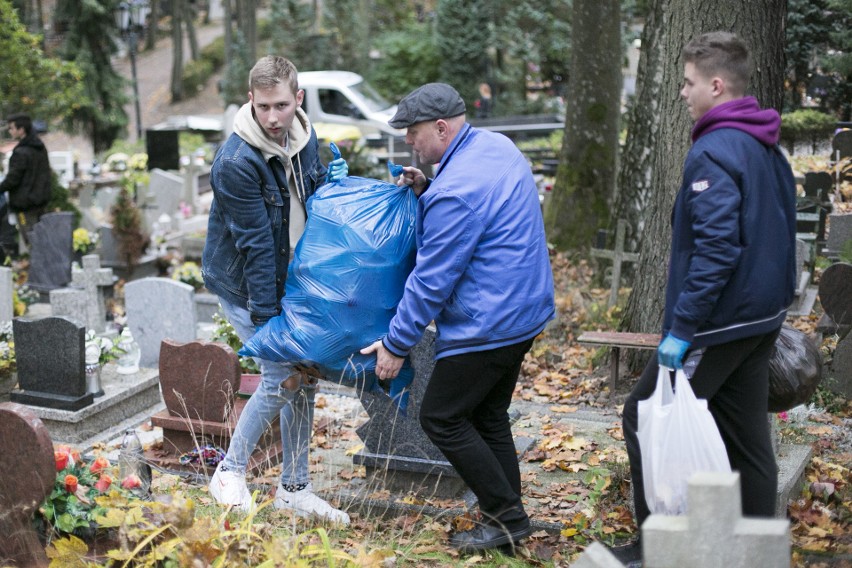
<point x="465" y="414"/>
<point x="734" y="378"/>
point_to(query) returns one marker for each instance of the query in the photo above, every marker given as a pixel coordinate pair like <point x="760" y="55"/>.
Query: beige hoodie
<point x="247" y="128"/>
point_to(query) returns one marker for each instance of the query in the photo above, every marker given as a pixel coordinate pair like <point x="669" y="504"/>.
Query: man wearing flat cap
<point x="483" y="276"/>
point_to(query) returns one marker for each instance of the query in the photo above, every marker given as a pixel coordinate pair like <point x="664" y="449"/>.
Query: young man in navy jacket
<point x="732" y="266"/>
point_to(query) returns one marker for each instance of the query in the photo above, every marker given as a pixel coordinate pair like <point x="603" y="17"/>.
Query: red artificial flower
<point x="99" y="465"/>
<point x="71" y="484"/>
<point x="131" y="482"/>
<point x="61" y="456"/>
<point x="103" y="483"/>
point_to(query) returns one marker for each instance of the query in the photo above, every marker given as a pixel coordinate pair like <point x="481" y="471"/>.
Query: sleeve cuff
<point x="393" y="348"/>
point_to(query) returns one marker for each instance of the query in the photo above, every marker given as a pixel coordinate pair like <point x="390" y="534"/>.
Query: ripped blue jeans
<point x="271" y="399"/>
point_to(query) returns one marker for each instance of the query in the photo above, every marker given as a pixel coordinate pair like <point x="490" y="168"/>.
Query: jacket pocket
<point x="274" y="204"/>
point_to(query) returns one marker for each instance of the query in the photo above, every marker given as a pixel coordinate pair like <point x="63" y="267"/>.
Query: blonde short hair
<point x="273" y="70"/>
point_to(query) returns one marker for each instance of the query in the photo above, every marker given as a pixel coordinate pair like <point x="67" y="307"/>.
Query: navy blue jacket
<point x="732" y="268"/>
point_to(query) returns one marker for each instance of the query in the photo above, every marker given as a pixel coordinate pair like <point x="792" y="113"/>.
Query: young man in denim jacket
<point x="261" y="178"/>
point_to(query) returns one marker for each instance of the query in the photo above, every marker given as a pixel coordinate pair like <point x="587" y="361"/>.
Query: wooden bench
<point x="616" y="340"/>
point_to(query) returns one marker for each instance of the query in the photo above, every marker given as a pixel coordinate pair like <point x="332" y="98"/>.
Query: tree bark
<point x="761" y="24"/>
<point x="153" y="26"/>
<point x="177" y="50"/>
<point x="585" y="179"/>
<point x="633" y="190"/>
<point x="247" y="22"/>
<point x="189" y="20"/>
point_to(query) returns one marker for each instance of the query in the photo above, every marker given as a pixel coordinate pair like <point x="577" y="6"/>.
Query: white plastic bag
<point x="677" y="438"/>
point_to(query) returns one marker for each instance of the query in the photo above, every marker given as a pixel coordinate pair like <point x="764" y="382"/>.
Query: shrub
<point x="805" y="125"/>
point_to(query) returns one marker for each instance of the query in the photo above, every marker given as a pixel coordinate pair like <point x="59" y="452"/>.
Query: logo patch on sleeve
<point x="700" y="185"/>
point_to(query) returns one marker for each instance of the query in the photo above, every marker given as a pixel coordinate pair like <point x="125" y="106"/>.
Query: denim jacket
<point x="247" y="232"/>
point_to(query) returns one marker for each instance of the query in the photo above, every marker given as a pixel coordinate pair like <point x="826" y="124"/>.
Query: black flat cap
<point x="429" y="102"/>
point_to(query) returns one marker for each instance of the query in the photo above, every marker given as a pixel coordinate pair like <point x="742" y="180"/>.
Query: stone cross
<point x="92" y="279"/>
<point x="618" y="256"/>
<point x="714" y="534"/>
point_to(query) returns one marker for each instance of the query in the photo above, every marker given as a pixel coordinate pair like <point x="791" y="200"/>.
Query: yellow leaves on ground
<point x="67" y="552"/>
<point x="352" y="450"/>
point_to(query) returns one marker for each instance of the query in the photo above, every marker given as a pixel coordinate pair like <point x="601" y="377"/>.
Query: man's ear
<point x="443" y="127"/>
<point x="719" y="86"/>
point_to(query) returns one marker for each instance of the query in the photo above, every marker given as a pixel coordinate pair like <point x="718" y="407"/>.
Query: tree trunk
<point x="633" y="190"/>
<point x="247" y="22"/>
<point x="153" y="26"/>
<point x="761" y="24"/>
<point x="177" y="50"/>
<point x="229" y="21"/>
<point x="585" y="180"/>
<point x="189" y="20"/>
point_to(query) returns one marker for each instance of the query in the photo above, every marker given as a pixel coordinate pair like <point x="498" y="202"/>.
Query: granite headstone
<point x="51" y="363"/>
<point x="835" y="292"/>
<point x="28" y="471"/>
<point x="397" y="450"/>
<point x="51" y="252"/>
<point x="839" y="233"/>
<point x="7" y="291"/>
<point x="199" y="383"/>
<point x="157" y="309"/>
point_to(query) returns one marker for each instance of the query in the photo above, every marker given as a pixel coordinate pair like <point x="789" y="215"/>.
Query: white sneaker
<point x="229" y="488"/>
<point x="305" y="503"/>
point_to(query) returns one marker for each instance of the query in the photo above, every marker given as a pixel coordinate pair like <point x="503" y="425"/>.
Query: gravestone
<point x="165" y="192"/>
<point x="618" y="257"/>
<point x="51" y="252"/>
<point x="7" y="290"/>
<point x="158" y="309"/>
<point x="714" y="534"/>
<point x="199" y="380"/>
<point x="84" y="300"/>
<point x="839" y="233"/>
<point x="51" y="363"/>
<point x="805" y="294"/>
<point x="835" y="294"/>
<point x="26" y="483"/>
<point x="398" y="453"/>
<point x="840" y="375"/>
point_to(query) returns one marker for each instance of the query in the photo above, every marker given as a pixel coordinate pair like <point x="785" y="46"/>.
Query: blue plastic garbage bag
<point x="344" y="282"/>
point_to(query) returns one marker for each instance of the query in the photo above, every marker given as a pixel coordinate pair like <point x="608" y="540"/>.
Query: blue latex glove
<point x="394" y="169"/>
<point x="337" y="168"/>
<point x="671" y="351"/>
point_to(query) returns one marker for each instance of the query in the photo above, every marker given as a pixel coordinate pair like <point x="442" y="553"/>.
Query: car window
<point x="333" y="101"/>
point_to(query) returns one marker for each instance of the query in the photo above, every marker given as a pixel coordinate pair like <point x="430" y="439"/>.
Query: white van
<point x="343" y="97"/>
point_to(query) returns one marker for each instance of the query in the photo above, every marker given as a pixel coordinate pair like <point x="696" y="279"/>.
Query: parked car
<point x="343" y="97"/>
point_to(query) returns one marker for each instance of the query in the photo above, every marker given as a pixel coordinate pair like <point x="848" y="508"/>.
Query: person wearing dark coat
<point x="28" y="179"/>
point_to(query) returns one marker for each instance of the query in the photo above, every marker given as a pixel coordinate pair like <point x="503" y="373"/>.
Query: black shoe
<point x="487" y="536"/>
<point x="629" y="554"/>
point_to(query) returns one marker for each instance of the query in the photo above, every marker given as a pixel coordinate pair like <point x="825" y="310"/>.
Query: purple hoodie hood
<point x="743" y="114"/>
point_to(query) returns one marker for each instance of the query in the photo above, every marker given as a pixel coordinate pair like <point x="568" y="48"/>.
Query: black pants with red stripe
<point x="734" y="378"/>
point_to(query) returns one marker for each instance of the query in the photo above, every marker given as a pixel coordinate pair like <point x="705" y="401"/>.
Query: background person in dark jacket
<point x="28" y="178"/>
<point x="732" y="266"/>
